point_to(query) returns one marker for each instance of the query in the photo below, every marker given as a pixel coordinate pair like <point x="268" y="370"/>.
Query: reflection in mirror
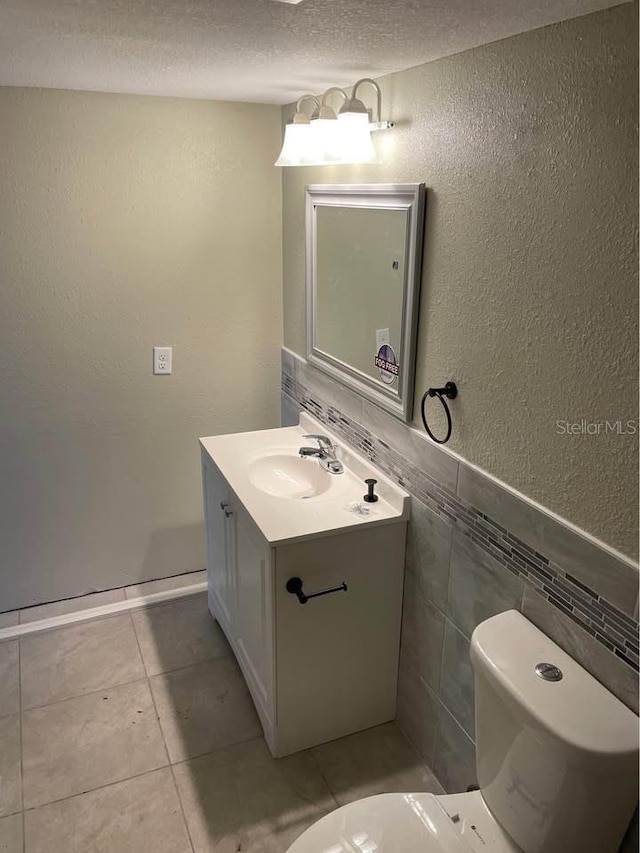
<point x="359" y="283"/>
<point x="363" y="265"/>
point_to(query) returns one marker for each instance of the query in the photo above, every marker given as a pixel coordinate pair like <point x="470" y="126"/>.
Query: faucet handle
<point x="322" y="440"/>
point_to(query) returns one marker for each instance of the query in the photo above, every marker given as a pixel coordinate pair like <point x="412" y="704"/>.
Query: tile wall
<point x="474" y="549"/>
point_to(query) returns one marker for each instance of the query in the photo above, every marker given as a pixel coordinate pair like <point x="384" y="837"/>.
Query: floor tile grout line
<point x="324" y="778"/>
<point x="216" y="750"/>
<point x="11" y="814"/>
<point x="421" y="760"/>
<point x="225" y="656"/>
<point x="97" y="788"/>
<point x="135" y="776"/>
<point x="124" y="683"/>
<point x="143" y="677"/>
<point x="84" y="695"/>
<point x="149" y="688"/>
<point x="162" y="734"/>
<point x="182" y="811"/>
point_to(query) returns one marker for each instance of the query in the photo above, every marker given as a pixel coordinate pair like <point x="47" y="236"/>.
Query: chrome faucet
<point x="324" y="449"/>
<point x="325" y="453"/>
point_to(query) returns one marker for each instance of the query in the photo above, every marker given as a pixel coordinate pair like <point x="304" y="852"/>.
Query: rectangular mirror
<point x="364" y="254"/>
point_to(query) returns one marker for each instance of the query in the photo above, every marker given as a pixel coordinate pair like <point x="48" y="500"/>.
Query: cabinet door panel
<point x="219" y="545"/>
<point x="253" y="630"/>
<point x="337" y="655"/>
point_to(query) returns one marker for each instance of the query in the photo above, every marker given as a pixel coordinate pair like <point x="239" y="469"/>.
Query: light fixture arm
<point x="334" y="89"/>
<point x="373" y="83"/>
<point x="324" y="110"/>
<point x="300" y="117"/>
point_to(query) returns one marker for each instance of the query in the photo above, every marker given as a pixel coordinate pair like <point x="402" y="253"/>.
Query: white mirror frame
<point x="411" y="198"/>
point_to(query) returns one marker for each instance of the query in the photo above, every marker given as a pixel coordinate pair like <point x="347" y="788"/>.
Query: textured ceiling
<point x="248" y="50"/>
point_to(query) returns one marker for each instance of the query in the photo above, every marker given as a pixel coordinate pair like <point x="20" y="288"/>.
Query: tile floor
<point x="136" y="732"/>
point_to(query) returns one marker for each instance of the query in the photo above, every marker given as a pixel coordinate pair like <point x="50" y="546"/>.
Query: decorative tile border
<point x="613" y="629"/>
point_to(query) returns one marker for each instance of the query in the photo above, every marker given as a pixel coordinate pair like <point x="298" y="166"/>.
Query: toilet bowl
<point x="557" y="764"/>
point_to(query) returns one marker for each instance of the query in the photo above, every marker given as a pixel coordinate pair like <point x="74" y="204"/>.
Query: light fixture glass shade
<point x="295" y="148"/>
<point x="357" y="145"/>
<point x="325" y="141"/>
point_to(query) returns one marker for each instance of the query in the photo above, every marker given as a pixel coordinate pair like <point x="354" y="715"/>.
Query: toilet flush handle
<point x="549" y="672"/>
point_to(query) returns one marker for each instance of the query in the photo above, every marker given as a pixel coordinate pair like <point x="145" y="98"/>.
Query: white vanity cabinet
<point x="239" y="592"/>
<point x="328" y="667"/>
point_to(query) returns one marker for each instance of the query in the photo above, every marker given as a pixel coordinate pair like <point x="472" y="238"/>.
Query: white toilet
<point x="557" y="762"/>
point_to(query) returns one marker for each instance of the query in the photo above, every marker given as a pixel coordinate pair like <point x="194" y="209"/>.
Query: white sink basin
<point x="292" y="498"/>
<point x="286" y="475"/>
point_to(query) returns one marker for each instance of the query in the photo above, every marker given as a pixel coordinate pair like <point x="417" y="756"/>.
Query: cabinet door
<point x="219" y="542"/>
<point x="337" y="655"/>
<point x="254" y="606"/>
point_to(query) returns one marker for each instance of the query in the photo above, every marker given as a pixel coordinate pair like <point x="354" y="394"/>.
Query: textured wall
<point x="528" y="148"/>
<point x="127" y="222"/>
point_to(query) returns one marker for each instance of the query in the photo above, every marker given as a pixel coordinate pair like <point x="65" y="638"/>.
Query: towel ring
<point x="450" y="391"/>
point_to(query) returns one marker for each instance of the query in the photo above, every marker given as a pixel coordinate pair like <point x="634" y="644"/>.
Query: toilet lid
<point x="387" y="823"/>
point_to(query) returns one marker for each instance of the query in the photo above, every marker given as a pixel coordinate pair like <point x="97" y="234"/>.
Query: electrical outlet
<point x="162" y="360"/>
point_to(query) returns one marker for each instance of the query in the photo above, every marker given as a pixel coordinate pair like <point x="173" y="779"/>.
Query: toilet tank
<point x="557" y="761"/>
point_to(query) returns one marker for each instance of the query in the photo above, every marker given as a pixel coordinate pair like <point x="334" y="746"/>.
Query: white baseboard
<point x="103" y="610"/>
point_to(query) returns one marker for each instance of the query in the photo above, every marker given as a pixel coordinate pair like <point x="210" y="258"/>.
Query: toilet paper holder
<point x="294" y="586"/>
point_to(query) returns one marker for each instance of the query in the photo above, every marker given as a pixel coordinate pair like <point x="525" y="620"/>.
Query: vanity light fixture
<point x="355" y="117"/>
<point x="325" y="138"/>
<point x="296" y="148"/>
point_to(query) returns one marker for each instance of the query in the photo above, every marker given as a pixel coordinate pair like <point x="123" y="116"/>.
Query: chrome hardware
<point x="322" y="440"/>
<point x="548" y="672"/>
<point x="312" y="451"/>
<point x="325" y="453"/>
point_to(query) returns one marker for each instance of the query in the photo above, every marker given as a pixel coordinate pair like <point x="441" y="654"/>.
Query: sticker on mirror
<point x="387" y="364"/>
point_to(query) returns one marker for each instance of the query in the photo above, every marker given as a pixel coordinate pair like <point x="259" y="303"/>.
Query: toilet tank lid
<point x="577" y="710"/>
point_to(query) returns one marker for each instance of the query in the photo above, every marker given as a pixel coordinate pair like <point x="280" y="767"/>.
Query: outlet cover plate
<point x="162" y="361"/>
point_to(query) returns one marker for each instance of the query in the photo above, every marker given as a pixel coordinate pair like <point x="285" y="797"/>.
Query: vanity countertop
<point x="338" y="503"/>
